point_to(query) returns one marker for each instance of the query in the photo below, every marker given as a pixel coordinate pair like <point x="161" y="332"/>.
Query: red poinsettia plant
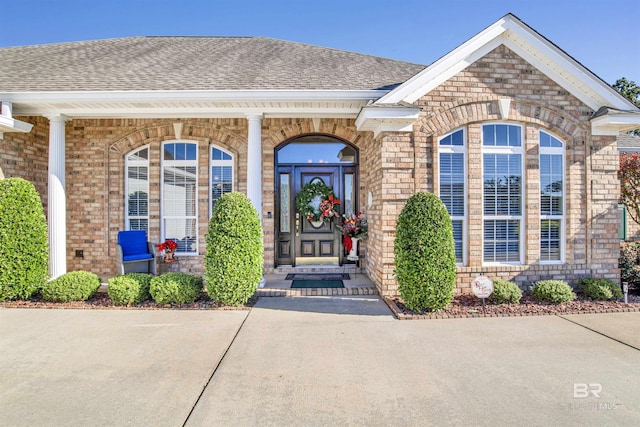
<point x="167" y="245"/>
<point x="353" y="227"/>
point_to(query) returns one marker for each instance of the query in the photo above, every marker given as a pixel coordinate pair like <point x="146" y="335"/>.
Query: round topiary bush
<point x="505" y="291"/>
<point x="130" y="288"/>
<point x="601" y="289"/>
<point x="424" y="253"/>
<point x="176" y="288"/>
<point x="24" y="249"/>
<point x="72" y="286"/>
<point x="555" y="291"/>
<point x="234" y="257"/>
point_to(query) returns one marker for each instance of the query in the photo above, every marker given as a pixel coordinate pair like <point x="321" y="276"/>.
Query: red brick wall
<point x="26" y="155"/>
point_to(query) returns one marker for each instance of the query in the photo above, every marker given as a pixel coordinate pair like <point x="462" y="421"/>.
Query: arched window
<point x="136" y="184"/>
<point x="452" y="149"/>
<point x="503" y="196"/>
<point x="552" y="190"/>
<point x="221" y="174"/>
<point x="180" y="195"/>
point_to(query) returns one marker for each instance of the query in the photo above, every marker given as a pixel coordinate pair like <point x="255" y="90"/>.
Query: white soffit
<point x="395" y="118"/>
<point x="192" y="103"/>
<point x="529" y="45"/>
<point x="615" y="123"/>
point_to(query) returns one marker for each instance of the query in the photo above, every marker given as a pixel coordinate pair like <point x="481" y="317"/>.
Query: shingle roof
<point x="628" y="142"/>
<point x="194" y="63"/>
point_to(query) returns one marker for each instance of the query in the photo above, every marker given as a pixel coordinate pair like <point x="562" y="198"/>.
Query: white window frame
<point x="135" y="163"/>
<point x="563" y="237"/>
<point x="458" y="149"/>
<point x="213" y="163"/>
<point x="184" y="163"/>
<point x="523" y="209"/>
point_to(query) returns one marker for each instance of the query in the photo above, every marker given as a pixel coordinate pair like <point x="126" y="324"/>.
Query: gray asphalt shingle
<point x="629" y="142"/>
<point x="194" y="63"/>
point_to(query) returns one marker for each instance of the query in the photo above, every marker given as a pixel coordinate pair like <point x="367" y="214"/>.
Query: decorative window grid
<point x="221" y="175"/>
<point x="503" y="193"/>
<point x="453" y="187"/>
<point x="136" y="202"/>
<point x="552" y="195"/>
<point x="179" y="195"/>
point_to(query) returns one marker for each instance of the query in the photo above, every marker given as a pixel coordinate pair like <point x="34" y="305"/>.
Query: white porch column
<point x="254" y="162"/>
<point x="57" y="202"/>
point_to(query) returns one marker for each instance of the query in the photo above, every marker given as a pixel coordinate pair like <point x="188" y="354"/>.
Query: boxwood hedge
<point x="24" y="251"/>
<point x="601" y="289"/>
<point x="72" y="286"/>
<point x="130" y="288"/>
<point x="424" y="253"/>
<point x="556" y="291"/>
<point x="176" y="288"/>
<point x="234" y="256"/>
<point x="505" y="291"/>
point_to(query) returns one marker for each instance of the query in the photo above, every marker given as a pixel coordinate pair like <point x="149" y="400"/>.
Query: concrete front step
<point x="309" y="292"/>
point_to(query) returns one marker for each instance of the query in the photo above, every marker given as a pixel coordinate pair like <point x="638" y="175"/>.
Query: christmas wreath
<point x="317" y="202"/>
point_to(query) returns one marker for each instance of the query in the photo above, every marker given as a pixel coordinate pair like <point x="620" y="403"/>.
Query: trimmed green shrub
<point x="629" y="263"/>
<point x="176" y="287"/>
<point x="424" y="253"/>
<point x="72" y="286"/>
<point x="505" y="291"/>
<point x="234" y="257"/>
<point x="601" y="289"/>
<point x="24" y="249"/>
<point x="556" y="291"/>
<point x="130" y="288"/>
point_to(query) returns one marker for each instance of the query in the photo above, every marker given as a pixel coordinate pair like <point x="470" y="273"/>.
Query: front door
<point x="332" y="162"/>
<point x="316" y="243"/>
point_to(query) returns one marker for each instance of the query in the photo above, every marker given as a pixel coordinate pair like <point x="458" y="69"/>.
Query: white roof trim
<point x="628" y="149"/>
<point x="615" y="123"/>
<point x="387" y="119"/>
<point x="147" y="104"/>
<point x="192" y="95"/>
<point x="8" y="123"/>
<point x="528" y="44"/>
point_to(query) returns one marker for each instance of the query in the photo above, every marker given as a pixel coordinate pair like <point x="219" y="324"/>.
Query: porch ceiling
<point x="184" y="104"/>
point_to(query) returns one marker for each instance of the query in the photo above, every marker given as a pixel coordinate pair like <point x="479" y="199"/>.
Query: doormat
<point x="304" y="284"/>
<point x="318" y="276"/>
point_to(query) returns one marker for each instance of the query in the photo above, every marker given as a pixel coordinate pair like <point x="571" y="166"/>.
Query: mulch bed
<point x="101" y="301"/>
<point x="465" y="306"/>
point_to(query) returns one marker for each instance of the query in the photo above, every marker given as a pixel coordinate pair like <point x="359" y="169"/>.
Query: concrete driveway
<point x="316" y="361"/>
<point x="108" y="367"/>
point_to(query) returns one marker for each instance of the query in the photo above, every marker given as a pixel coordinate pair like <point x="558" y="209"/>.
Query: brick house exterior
<point x="508" y="78"/>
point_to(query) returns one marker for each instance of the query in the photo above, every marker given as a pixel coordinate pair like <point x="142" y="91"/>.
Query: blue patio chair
<point x="134" y="253"/>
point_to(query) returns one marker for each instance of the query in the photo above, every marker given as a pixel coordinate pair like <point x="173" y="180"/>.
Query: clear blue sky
<point x="602" y="35"/>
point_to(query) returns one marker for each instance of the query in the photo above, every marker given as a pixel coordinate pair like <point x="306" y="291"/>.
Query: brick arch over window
<point x="218" y="134"/>
<point x="280" y="131"/>
<point x="153" y="136"/>
<point x="480" y="110"/>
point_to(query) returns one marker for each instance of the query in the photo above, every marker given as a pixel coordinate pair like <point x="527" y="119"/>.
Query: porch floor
<point x="277" y="285"/>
